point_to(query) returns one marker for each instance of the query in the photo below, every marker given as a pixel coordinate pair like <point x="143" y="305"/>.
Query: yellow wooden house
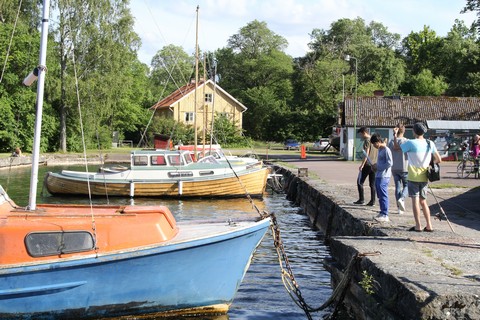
<point x="211" y="101"/>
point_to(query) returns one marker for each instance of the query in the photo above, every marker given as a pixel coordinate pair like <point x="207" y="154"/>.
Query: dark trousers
<point x="367" y="171"/>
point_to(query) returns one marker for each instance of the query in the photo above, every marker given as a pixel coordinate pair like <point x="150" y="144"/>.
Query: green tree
<point x="171" y="68"/>
<point x="168" y="126"/>
<point x="420" y="49"/>
<point x="19" y="48"/>
<point x="323" y="75"/>
<point x="255" y="40"/>
<point x="256" y="71"/>
<point x="98" y="57"/>
<point x="425" y="84"/>
<point x="227" y="133"/>
<point x="457" y="60"/>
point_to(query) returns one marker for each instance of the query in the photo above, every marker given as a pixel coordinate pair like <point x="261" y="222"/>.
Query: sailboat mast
<point x="196" y="85"/>
<point x="38" y="119"/>
<point x="213" y="99"/>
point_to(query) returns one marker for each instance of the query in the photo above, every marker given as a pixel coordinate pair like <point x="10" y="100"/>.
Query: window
<point x="140" y="160"/>
<point x="208" y="97"/>
<point x="225" y="115"/>
<point x="41" y="244"/>
<point x="188" y="116"/>
<point x="158" y="161"/>
<point x="175" y="160"/>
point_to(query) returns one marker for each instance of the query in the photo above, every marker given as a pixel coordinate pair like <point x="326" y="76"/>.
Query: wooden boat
<point x="165" y="173"/>
<point x="73" y="261"/>
<point x="85" y="262"/>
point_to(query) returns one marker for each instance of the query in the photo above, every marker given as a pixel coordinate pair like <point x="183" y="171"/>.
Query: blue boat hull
<point x="179" y="276"/>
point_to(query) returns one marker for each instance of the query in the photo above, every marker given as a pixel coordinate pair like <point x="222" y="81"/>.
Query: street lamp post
<point x="347" y="58"/>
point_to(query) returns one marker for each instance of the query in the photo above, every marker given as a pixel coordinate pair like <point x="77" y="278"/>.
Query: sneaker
<point x="371" y="204"/>
<point x="401" y="204"/>
<point x="381" y="218"/>
<point x="359" y="202"/>
<point x="400" y="211"/>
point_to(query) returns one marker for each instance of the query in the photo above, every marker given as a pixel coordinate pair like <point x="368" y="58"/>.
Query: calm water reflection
<point x="261" y="294"/>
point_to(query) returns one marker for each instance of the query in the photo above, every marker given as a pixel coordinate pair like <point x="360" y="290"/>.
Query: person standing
<point x="382" y="176"/>
<point x="475" y="150"/>
<point x="365" y="169"/>
<point x="399" y="167"/>
<point x="419" y="152"/>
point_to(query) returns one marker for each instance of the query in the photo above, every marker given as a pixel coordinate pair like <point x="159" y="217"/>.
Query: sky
<point x="163" y="22"/>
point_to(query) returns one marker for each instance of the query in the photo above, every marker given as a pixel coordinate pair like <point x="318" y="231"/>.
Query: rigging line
<point x="11" y="40"/>
<point x="163" y="38"/>
<point x="77" y="90"/>
<point x="169" y="72"/>
<point x="247" y="194"/>
<point x="452" y="202"/>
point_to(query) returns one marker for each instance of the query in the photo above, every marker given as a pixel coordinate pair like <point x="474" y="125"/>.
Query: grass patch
<point x="455" y="271"/>
<point x="428" y="252"/>
<point x="445" y="186"/>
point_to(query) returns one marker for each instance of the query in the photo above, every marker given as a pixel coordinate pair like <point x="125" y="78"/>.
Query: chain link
<point x="288" y="277"/>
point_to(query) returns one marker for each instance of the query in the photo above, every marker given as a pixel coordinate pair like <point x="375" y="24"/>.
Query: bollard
<point x="303" y="153"/>
<point x="303" y="172"/>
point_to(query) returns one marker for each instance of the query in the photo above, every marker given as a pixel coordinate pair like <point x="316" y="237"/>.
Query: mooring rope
<point x="291" y="285"/>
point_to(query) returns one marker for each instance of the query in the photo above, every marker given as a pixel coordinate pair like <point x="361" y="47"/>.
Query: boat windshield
<point x="208" y="159"/>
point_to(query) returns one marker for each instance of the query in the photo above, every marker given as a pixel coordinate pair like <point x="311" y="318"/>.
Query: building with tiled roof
<point x="180" y="105"/>
<point x="381" y="113"/>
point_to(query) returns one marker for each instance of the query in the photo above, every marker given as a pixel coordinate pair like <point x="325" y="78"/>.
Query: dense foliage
<point x="96" y="85"/>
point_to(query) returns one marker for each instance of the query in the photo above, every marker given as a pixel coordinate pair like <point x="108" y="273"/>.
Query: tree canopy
<point x="94" y="74"/>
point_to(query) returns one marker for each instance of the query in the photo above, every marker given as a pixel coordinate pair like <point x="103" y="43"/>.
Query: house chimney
<point x="378" y="93"/>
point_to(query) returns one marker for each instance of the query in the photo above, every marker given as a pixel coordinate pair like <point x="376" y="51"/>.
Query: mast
<point x="38" y="120"/>
<point x="204" y="104"/>
<point x="196" y="85"/>
<point x="213" y="99"/>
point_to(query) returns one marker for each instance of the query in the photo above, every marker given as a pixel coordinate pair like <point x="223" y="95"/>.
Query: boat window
<point x="206" y="173"/>
<point x="175" y="160"/>
<point x="188" y="158"/>
<point x="158" y="160"/>
<point x="41" y="244"/>
<point x="215" y="155"/>
<point x="140" y="160"/>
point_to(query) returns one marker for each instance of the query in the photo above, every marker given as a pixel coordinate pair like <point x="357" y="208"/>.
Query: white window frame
<point x="189" y="117"/>
<point x="208" y="97"/>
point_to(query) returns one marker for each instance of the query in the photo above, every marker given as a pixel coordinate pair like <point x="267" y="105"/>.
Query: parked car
<point x="291" y="144"/>
<point x="320" y="145"/>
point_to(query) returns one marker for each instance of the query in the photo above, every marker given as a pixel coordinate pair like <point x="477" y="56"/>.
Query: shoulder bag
<point x="433" y="172"/>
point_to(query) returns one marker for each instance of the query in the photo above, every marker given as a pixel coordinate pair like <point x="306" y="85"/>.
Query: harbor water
<point x="262" y="294"/>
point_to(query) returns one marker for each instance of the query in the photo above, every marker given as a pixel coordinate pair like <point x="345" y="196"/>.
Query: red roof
<point x="176" y="95"/>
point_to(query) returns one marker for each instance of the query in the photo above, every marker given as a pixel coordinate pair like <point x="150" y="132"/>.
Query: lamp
<point x="347" y="58"/>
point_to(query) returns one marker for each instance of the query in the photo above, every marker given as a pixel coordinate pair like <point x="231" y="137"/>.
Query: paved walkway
<point x="459" y="198"/>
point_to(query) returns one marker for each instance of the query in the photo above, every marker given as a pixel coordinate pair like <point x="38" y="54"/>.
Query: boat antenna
<point x="41" y="70"/>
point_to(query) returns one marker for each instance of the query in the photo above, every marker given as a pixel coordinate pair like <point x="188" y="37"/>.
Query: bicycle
<point x="467" y="165"/>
